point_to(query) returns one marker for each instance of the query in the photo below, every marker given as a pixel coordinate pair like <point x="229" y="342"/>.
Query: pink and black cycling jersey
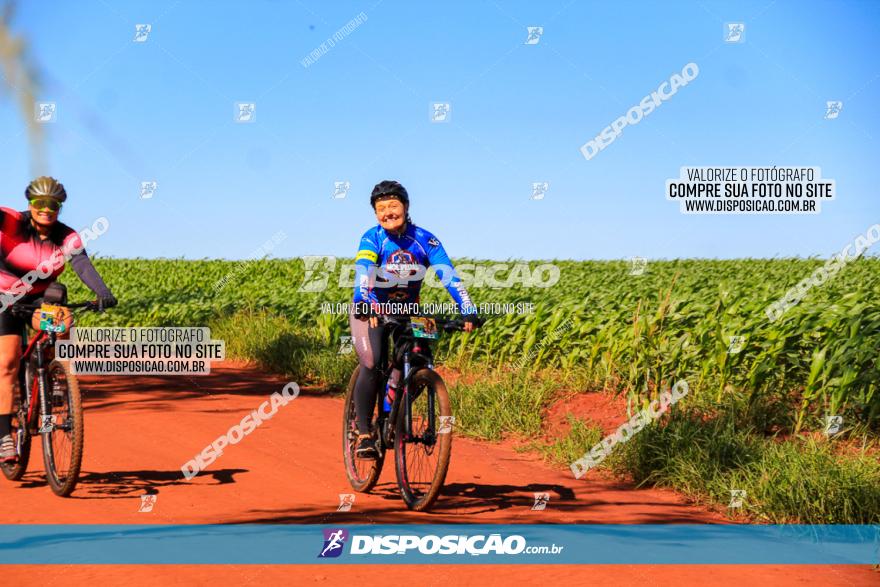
<point x="22" y="251"/>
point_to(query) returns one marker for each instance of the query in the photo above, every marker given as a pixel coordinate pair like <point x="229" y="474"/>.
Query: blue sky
<point x="163" y="110"/>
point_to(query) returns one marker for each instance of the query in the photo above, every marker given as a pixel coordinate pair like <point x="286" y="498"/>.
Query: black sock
<point x="5" y="424"/>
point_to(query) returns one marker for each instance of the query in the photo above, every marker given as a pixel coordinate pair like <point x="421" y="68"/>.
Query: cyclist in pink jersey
<point x="33" y="249"/>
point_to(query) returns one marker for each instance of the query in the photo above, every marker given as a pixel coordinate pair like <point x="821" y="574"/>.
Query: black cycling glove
<point x="106" y="301"/>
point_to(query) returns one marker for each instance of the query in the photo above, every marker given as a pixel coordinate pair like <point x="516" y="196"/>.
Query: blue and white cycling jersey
<point x="391" y="268"/>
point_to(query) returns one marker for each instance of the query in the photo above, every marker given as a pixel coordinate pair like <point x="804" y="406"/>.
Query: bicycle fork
<point x="429" y="434"/>
<point x="47" y="419"/>
<point x="406" y="399"/>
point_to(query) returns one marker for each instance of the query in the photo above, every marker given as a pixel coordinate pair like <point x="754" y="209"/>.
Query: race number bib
<point x="423" y="327"/>
<point x="52" y="318"/>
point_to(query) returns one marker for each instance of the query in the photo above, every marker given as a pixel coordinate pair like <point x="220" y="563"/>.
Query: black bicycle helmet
<point x="46" y="187"/>
<point x="389" y="188"/>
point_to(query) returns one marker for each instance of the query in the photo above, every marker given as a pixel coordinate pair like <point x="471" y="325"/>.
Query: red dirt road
<point x="139" y="431"/>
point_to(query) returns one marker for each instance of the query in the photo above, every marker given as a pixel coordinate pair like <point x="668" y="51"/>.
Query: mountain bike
<point x="418" y="427"/>
<point x="48" y="403"/>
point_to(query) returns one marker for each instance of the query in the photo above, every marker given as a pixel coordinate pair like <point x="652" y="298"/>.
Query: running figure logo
<point x="534" y="33"/>
<point x="47" y="423"/>
<point x="832" y="109"/>
<point x="346" y="500"/>
<point x="440" y="111"/>
<point x="736" y="498"/>
<point x="637" y="265"/>
<point x="541" y="501"/>
<point x="833" y="424"/>
<point x="539" y="189"/>
<point x="147" y="503"/>
<point x="245" y="112"/>
<point x="148" y="188"/>
<point x="734" y="32"/>
<point x="45" y="112"/>
<point x="736" y="344"/>
<point x="141" y="32"/>
<point x="446" y="424"/>
<point x="333" y="543"/>
<point x="340" y="189"/>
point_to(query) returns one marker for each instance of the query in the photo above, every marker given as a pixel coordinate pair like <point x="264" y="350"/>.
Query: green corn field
<point x="626" y="333"/>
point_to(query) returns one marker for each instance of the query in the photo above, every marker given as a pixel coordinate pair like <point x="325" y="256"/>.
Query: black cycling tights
<point x="371" y="345"/>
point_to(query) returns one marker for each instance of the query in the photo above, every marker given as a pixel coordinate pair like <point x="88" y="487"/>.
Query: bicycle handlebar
<point x="446" y="324"/>
<point x="20" y="308"/>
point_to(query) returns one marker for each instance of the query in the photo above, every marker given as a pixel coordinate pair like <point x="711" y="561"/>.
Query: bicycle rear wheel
<point x="421" y="455"/>
<point x="63" y="441"/>
<point x="20" y="433"/>
<point x="363" y="474"/>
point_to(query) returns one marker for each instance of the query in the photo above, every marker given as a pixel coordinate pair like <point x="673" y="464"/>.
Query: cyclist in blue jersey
<point x="389" y="268"/>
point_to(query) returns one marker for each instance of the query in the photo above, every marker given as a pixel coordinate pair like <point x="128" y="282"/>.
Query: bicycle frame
<point x="36" y="348"/>
<point x="414" y="357"/>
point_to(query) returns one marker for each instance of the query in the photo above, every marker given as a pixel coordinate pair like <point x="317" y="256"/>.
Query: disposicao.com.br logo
<point x="334" y="540"/>
<point x="478" y="544"/>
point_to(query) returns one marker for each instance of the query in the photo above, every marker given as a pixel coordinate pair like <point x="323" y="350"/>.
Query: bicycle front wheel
<point x="422" y="447"/>
<point x="63" y="431"/>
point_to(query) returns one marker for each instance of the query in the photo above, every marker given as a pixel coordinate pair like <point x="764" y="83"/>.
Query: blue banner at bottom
<point x="444" y="544"/>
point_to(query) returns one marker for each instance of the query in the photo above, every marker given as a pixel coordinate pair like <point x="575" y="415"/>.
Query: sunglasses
<point x="44" y="203"/>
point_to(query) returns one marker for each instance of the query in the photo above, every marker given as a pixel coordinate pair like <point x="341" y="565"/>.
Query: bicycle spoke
<point x="61" y="436"/>
<point x="421" y="458"/>
<point x="62" y="441"/>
